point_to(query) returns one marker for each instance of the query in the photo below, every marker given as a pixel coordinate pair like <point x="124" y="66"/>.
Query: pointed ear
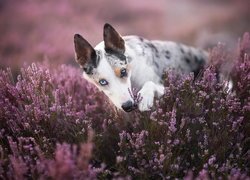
<point x="112" y="40"/>
<point x="85" y="53"/>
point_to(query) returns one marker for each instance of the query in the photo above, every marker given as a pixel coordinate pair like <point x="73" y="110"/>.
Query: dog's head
<point x="106" y="66"/>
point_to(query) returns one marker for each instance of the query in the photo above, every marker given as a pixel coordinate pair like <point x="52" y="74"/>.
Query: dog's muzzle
<point x="128" y="106"/>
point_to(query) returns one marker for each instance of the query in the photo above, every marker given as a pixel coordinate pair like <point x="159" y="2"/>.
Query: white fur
<point x="117" y="91"/>
<point x="142" y="74"/>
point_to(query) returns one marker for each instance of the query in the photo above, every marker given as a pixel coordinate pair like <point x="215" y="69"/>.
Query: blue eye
<point x="103" y="82"/>
<point x="123" y="72"/>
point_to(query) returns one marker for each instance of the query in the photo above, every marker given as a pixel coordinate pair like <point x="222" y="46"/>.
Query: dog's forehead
<point x="108" y="67"/>
<point x="113" y="58"/>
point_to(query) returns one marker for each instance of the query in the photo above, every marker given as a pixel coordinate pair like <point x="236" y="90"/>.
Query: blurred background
<point x="34" y="30"/>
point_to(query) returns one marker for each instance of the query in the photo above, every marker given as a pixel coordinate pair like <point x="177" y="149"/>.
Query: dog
<point x="118" y="63"/>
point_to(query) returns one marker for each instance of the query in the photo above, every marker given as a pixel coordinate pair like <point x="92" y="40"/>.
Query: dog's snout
<point x="128" y="106"/>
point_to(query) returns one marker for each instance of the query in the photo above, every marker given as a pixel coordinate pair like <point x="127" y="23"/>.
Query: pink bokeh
<point x="32" y="31"/>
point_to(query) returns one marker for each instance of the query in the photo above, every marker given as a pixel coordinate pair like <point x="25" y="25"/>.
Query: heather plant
<point x="38" y="100"/>
<point x="54" y="125"/>
<point x="40" y="110"/>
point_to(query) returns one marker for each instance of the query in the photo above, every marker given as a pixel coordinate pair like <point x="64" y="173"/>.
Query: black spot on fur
<point x="187" y="60"/>
<point x="141" y="39"/>
<point x="143" y="51"/>
<point x="156" y="64"/>
<point x="181" y="49"/>
<point x="167" y="54"/>
<point x="154" y="49"/>
<point x="196" y="60"/>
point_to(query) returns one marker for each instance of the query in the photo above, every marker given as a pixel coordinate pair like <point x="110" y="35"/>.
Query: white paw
<point x="147" y="100"/>
<point x="160" y="90"/>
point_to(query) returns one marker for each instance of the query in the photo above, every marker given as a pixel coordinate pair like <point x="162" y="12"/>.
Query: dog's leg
<point x="147" y="93"/>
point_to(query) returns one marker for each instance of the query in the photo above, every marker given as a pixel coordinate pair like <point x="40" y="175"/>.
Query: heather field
<point x="55" y="125"/>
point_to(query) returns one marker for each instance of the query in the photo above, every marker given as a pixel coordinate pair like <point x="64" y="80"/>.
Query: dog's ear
<point x="112" y="40"/>
<point x="85" y="54"/>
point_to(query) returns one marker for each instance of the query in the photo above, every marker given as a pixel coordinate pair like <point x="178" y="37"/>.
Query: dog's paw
<point x="147" y="94"/>
<point x="160" y="90"/>
<point x="147" y="100"/>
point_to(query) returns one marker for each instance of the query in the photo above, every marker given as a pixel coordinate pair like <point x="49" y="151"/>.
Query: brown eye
<point x="123" y="72"/>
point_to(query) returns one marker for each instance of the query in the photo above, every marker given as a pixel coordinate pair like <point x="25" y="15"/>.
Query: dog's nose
<point x="127" y="106"/>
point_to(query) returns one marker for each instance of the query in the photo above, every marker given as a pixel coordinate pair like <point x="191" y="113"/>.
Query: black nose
<point x="127" y="106"/>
